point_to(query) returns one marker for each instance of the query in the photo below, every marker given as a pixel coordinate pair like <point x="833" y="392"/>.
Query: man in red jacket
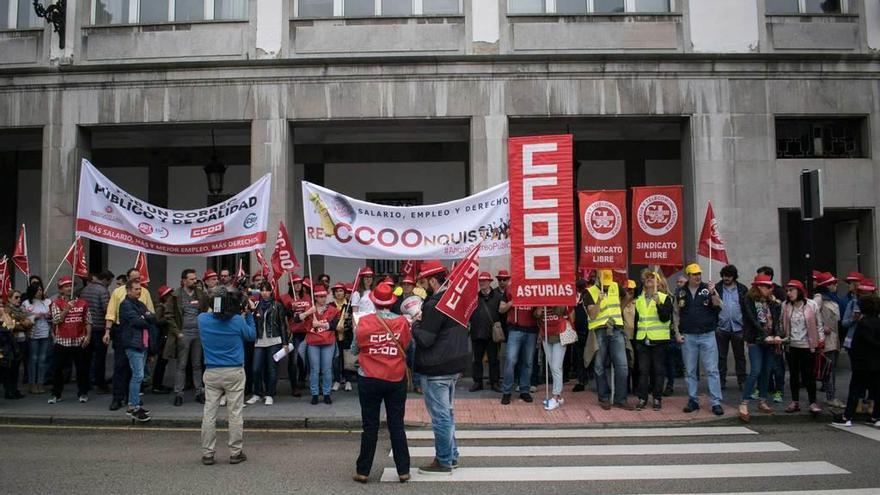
<point x="72" y="323"/>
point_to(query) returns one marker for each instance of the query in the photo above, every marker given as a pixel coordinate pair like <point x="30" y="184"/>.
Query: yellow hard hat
<point x="606" y="277"/>
<point x="692" y="269"/>
<point x="630" y="284"/>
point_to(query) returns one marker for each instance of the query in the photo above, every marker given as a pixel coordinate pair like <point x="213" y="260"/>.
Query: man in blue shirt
<point x="730" y="325"/>
<point x="223" y="333"/>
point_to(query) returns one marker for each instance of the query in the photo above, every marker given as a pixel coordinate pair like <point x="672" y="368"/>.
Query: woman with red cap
<point x="341" y="375"/>
<point x="380" y="343"/>
<point x="761" y="332"/>
<point x="360" y="298"/>
<point x="297" y="300"/>
<point x="805" y="333"/>
<point x="829" y="310"/>
<point x="320" y="322"/>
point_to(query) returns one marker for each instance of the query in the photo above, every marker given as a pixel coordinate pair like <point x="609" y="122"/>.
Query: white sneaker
<point x="561" y="401"/>
<point x="348" y="386"/>
<point x="253" y="400"/>
<point x="54" y="400"/>
<point x="533" y="389"/>
<point x="335" y="387"/>
<point x="269" y="401"/>
<point x="83" y="398"/>
<point x="551" y="404"/>
<point x="223" y="401"/>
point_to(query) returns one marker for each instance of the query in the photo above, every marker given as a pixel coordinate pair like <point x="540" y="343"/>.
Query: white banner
<point x="108" y="214"/>
<point x="337" y="225"/>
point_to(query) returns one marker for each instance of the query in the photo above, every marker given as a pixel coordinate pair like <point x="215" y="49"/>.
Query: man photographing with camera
<point x="223" y="332"/>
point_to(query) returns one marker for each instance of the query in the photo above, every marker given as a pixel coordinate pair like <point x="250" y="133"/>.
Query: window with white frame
<point x="806" y="6"/>
<point x="106" y="12"/>
<point x="574" y="7"/>
<point x="18" y="14"/>
<point x="370" y="8"/>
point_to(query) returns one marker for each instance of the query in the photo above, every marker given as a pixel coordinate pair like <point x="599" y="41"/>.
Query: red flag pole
<point x="60" y="264"/>
<point x="73" y="267"/>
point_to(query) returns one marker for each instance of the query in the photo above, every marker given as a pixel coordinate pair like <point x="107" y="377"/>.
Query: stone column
<point x="488" y="165"/>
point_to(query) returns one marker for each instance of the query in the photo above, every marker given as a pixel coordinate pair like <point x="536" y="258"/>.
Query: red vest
<point x="555" y="323"/>
<point x="298" y="306"/>
<point x="378" y="355"/>
<point x="74" y="324"/>
<point x="322" y="336"/>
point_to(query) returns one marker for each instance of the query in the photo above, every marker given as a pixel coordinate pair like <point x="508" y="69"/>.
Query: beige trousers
<point x="220" y="381"/>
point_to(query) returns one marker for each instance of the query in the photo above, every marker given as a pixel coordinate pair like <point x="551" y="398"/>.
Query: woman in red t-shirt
<point x="553" y="321"/>
<point x="320" y="323"/>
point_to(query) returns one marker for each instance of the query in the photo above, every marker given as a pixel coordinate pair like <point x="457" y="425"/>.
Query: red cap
<point x="255" y="276"/>
<point x="295" y="277"/>
<point x="348" y="287"/>
<point x="762" y="279"/>
<point x="485" y="276"/>
<point x="383" y="295"/>
<point x="824" y="279"/>
<point x="65" y="280"/>
<point x="307" y="282"/>
<point x="339" y="285"/>
<point x="408" y="280"/>
<point x="503" y="275"/>
<point x="164" y="290"/>
<point x="432" y="267"/>
<point x="366" y="272"/>
<point x="320" y="290"/>
<point x="867" y="285"/>
<point x="816" y="274"/>
<point x="797" y="284"/>
<point x="209" y="274"/>
<point x="854" y="277"/>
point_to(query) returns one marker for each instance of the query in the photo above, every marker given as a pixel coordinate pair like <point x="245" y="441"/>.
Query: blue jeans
<point x="760" y="358"/>
<point x="701" y="349"/>
<point x="38" y="349"/>
<point x="265" y="370"/>
<point x="321" y="362"/>
<point x="520" y="349"/>
<point x="777" y="373"/>
<point x="612" y="343"/>
<point x="439" y="396"/>
<point x="136" y="360"/>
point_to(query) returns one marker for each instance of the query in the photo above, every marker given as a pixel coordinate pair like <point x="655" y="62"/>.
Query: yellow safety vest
<point x="649" y="324"/>
<point x="609" y="308"/>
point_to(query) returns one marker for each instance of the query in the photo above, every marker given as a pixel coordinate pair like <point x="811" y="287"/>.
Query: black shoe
<point x="161" y="391"/>
<point x="526" y="397"/>
<point x="717" y="411"/>
<point x="17" y="395"/>
<point x="208" y="460"/>
<point x="578" y="388"/>
<point x="668" y="391"/>
<point x="657" y="404"/>
<point x="691" y="407"/>
<point x="138" y="415"/>
<point x="496" y="388"/>
<point x="314" y="400"/>
<point x="641" y="405"/>
<point x="115" y="405"/>
<point x="505" y="399"/>
<point x="178" y="400"/>
<point x="327" y="399"/>
<point x="200" y="398"/>
<point x="476" y="386"/>
<point x="237" y="458"/>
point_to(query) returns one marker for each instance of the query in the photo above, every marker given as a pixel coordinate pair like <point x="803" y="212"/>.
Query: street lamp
<point x="54" y="13"/>
<point x="214" y="171"/>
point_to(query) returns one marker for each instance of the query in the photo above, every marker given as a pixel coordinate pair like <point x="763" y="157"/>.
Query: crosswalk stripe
<point x="847" y="491"/>
<point x="687" y="431"/>
<point x="866" y="431"/>
<point x="606" y="450"/>
<point x="605" y="473"/>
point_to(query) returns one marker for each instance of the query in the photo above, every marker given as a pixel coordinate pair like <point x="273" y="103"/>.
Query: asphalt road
<point x="97" y="460"/>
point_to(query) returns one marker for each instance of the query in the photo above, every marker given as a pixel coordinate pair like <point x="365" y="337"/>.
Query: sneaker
<point x="223" y="401"/>
<point x="839" y="420"/>
<point x="328" y="400"/>
<point x="138" y="415"/>
<point x="606" y="405"/>
<point x="755" y="394"/>
<point x="777" y="397"/>
<point x="335" y="387"/>
<point x="836" y="403"/>
<point x="237" y="458"/>
<point x="455" y="464"/>
<point x="668" y="391"/>
<point x="625" y="405"/>
<point x="505" y="399"/>
<point x="268" y="400"/>
<point x="641" y="405"/>
<point x="561" y="401"/>
<point x="83" y="399"/>
<point x="551" y="404"/>
<point x="178" y="401"/>
<point x="533" y="389"/>
<point x="793" y="407"/>
<point x="815" y="409"/>
<point x="691" y="407"/>
<point x="253" y="400"/>
<point x="435" y="468"/>
<point x="873" y="422"/>
<point x="348" y="388"/>
<point x="54" y="400"/>
<point x="717" y="410"/>
<point x="208" y="460"/>
<point x="578" y="388"/>
<point x="526" y="398"/>
<point x="658" y="404"/>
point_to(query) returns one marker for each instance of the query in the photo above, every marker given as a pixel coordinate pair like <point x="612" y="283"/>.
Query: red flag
<point x="283" y="258"/>
<point x="76" y="258"/>
<point x="5" y="279"/>
<point x="240" y="273"/>
<point x="542" y="253"/>
<point x="20" y="255"/>
<point x="603" y="229"/>
<point x="657" y="225"/>
<point x="711" y="243"/>
<point x="460" y="298"/>
<point x="262" y="261"/>
<point x="410" y="268"/>
<point x="140" y="263"/>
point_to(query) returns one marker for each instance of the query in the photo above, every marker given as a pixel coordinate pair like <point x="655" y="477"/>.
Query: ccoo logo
<point x="250" y="221"/>
<point x="603" y="220"/>
<point x="657" y="214"/>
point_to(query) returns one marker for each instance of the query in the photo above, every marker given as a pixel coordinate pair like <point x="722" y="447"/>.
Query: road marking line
<point x="607" y="473"/>
<point x="862" y="430"/>
<point x="847" y="491"/>
<point x="588" y="433"/>
<point x="160" y="428"/>
<point x="606" y="450"/>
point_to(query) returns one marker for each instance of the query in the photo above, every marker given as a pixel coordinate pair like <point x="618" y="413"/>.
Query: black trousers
<point x="801" y="364"/>
<point x="652" y="368"/>
<point x="248" y="368"/>
<point x="726" y="340"/>
<point x="860" y="382"/>
<point x="372" y="393"/>
<point x="63" y="357"/>
<point x="121" y="373"/>
<point x="97" y="353"/>
<point x="579" y="369"/>
<point x="489" y="348"/>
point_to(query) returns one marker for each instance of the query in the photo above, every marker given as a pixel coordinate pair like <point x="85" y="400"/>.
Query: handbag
<point x="497" y="329"/>
<point x="400" y="349"/>
<point x="568" y="336"/>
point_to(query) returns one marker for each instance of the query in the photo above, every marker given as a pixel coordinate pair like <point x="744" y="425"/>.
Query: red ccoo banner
<point x="603" y="229"/>
<point x="542" y="259"/>
<point x="657" y="225"/>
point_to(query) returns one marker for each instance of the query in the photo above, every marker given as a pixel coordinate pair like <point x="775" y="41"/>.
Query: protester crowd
<point x="226" y="337"/>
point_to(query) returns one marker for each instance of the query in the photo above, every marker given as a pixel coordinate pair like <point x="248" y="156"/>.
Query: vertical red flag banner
<point x="264" y="267"/>
<point x="603" y="229"/>
<point x="283" y="258"/>
<point x="657" y="225"/>
<point x="410" y="268"/>
<point x="5" y="279"/>
<point x="542" y="258"/>
<point x="76" y="258"/>
<point x="20" y="255"/>
<point x="240" y="273"/>
<point x="140" y="263"/>
<point x="711" y="243"/>
<point x="460" y="298"/>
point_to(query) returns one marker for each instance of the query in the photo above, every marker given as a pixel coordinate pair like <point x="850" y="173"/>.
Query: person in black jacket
<point x="137" y="329"/>
<point x="864" y="355"/>
<point x="483" y="319"/>
<point x="270" y="318"/>
<point x="761" y="320"/>
<point x="441" y="356"/>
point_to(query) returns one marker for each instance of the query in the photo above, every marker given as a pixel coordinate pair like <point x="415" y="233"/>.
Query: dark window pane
<point x="571" y="6"/>
<point x="153" y="11"/>
<point x="440" y="7"/>
<point x="359" y="8"/>
<point x="4" y="14"/>
<point x="525" y="7"/>
<point x="27" y="18"/>
<point x="111" y="12"/>
<point x="652" y="5"/>
<point x="782" y="7"/>
<point x="315" y="8"/>
<point x="829" y="138"/>
<point x="230" y="9"/>
<point x="823" y="6"/>
<point x="189" y="10"/>
<point x="396" y="7"/>
<point x="607" y="6"/>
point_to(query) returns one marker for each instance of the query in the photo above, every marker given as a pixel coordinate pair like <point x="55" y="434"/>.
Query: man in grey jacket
<point x="97" y="295"/>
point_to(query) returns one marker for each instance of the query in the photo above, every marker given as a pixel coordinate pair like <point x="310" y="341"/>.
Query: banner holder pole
<point x="546" y="362"/>
<point x="73" y="267"/>
<point x="24" y="228"/>
<point x="60" y="264"/>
